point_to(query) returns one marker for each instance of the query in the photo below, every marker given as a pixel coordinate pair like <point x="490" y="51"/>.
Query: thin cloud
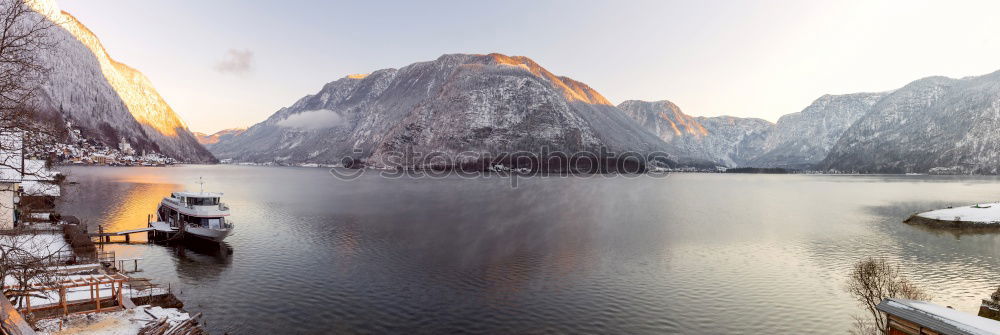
<point x="236" y="62"/>
<point x="312" y="120"/>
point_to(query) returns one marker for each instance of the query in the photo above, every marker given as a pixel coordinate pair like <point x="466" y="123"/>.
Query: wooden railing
<point x="106" y="257"/>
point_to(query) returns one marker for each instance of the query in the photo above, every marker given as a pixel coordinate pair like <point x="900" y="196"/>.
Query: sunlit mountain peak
<point x="134" y="89"/>
<point x="571" y="89"/>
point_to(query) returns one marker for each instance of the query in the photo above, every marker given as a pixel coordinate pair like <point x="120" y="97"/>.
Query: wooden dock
<point x="106" y="237"/>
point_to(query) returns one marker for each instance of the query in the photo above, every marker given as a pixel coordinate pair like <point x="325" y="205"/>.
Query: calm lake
<point x="686" y="253"/>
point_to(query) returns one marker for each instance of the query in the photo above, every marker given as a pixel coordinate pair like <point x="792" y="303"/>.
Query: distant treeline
<point x="529" y="162"/>
<point x="758" y="170"/>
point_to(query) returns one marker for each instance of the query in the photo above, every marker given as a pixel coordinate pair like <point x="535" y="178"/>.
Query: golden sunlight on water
<point x="135" y="207"/>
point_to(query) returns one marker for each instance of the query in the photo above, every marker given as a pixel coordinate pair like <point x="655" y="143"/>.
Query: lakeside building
<point x="912" y="317"/>
<point x="28" y="188"/>
<point x="7" y="215"/>
<point x="11" y="163"/>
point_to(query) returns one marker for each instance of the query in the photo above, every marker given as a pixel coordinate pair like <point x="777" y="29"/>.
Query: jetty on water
<point x="105" y="237"/>
<point x="155" y="231"/>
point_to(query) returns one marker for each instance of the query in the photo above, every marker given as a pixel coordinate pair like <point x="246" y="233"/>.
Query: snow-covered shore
<point x="979" y="214"/>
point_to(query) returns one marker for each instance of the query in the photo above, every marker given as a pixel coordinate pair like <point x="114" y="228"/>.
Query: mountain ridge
<point x="208" y="139"/>
<point x="933" y="124"/>
<point x="453" y="104"/>
<point x="477" y="92"/>
<point x="104" y="98"/>
<point x="698" y="140"/>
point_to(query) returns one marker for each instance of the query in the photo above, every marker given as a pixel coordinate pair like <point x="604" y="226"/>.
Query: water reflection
<point x="197" y="260"/>
<point x="691" y="253"/>
<point x="118" y="201"/>
<point x="135" y="207"/>
<point x="121" y="203"/>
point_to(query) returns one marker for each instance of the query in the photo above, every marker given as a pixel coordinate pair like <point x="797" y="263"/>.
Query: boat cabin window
<point x="214" y="223"/>
<point x="202" y="201"/>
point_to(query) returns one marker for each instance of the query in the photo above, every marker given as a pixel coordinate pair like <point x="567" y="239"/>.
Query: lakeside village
<point x="56" y="278"/>
<point x="81" y="151"/>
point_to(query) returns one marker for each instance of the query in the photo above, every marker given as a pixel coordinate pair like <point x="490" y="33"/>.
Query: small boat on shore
<point x="196" y="214"/>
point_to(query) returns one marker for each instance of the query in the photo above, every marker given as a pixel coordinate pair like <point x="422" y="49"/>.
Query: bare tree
<point x="24" y="39"/>
<point x="872" y="280"/>
<point x="26" y="260"/>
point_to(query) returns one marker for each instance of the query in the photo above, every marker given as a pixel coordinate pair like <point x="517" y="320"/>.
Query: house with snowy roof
<point x="912" y="317"/>
<point x="23" y="181"/>
<point x="11" y="162"/>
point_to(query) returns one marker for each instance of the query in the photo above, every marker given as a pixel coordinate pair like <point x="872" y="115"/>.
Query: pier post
<point x="98" y="295"/>
<point x="62" y="300"/>
<point x="119" y="294"/>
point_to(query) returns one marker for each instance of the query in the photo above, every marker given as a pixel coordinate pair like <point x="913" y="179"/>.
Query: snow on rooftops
<point x="35" y="169"/>
<point x="40" y="188"/>
<point x="939" y="318"/>
<point x="11" y="157"/>
<point x="35" y="177"/>
<point x="980" y="213"/>
<point x="39" y="245"/>
<point x="46" y="298"/>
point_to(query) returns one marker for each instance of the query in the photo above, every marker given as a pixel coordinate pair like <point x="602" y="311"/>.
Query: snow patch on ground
<point x="40" y="245"/>
<point x="77" y="294"/>
<point x="127" y="322"/>
<point x="988" y="213"/>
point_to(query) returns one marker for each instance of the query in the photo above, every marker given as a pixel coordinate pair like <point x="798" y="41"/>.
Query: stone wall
<point x="990" y="310"/>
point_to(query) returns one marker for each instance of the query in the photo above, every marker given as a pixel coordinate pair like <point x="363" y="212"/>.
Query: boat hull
<point x="214" y="235"/>
<point x="171" y="225"/>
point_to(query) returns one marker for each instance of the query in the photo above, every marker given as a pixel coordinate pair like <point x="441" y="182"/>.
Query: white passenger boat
<point x="197" y="214"/>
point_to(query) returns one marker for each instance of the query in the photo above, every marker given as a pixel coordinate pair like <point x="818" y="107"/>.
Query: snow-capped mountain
<point x="209" y="140"/>
<point x="457" y="103"/>
<point x="800" y="140"/>
<point x="932" y="124"/>
<point x="106" y="100"/>
<point x="496" y="103"/>
<point x="724" y="140"/>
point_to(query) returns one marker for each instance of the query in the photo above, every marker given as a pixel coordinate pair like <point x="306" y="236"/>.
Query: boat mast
<point x="201" y="182"/>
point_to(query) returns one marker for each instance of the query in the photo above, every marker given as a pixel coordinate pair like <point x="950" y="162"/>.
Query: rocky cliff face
<point x="801" y="140"/>
<point x="454" y="104"/>
<point x="934" y="124"/>
<point x="725" y="140"/>
<point x="735" y="141"/>
<point x="930" y="124"/>
<point x="105" y="99"/>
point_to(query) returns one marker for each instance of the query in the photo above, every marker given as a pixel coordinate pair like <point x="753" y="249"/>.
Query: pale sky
<point x="224" y="64"/>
